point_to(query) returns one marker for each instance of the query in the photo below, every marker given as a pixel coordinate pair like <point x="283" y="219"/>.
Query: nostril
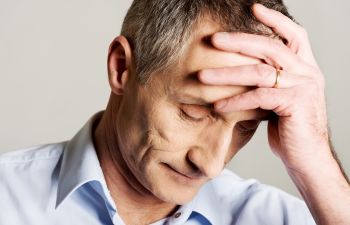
<point x="193" y="166"/>
<point x="204" y="162"/>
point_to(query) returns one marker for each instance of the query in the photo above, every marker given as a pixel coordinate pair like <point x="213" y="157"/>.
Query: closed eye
<point x="195" y="113"/>
<point x="187" y="117"/>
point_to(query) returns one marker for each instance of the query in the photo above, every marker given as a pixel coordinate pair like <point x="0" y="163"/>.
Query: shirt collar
<point x="80" y="164"/>
<point x="208" y="204"/>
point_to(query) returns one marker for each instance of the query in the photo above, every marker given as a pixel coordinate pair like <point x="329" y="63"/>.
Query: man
<point x="185" y="98"/>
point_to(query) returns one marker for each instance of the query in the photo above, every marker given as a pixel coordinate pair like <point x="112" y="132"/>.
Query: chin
<point x="175" y="195"/>
<point x="173" y="188"/>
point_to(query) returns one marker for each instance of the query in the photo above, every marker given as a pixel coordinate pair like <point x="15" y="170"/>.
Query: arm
<point x="299" y="132"/>
<point x="325" y="189"/>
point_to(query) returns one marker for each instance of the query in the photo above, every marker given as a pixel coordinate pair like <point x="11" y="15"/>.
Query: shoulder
<point x="29" y="173"/>
<point x="251" y="201"/>
<point x="229" y="183"/>
<point x="30" y="163"/>
<point x="35" y="153"/>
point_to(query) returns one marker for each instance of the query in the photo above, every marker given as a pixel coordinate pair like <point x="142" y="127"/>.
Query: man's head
<point x="170" y="140"/>
<point x="159" y="30"/>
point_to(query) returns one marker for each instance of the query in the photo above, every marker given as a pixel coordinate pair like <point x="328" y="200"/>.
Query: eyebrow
<point x="193" y="100"/>
<point x="262" y="115"/>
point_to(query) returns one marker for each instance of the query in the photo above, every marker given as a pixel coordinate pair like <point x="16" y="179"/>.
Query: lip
<point x="194" y="177"/>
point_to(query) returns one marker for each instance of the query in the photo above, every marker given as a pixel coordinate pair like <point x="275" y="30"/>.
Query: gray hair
<point x="158" y="29"/>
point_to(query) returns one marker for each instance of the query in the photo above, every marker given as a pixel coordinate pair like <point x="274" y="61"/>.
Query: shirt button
<point x="177" y="215"/>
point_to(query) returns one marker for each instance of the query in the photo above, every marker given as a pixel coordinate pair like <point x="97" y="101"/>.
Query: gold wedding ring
<point x="278" y="78"/>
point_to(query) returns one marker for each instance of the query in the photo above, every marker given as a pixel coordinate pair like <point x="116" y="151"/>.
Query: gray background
<point x="53" y="73"/>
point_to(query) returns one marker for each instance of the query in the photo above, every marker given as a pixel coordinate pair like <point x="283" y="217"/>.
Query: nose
<point x="209" y="156"/>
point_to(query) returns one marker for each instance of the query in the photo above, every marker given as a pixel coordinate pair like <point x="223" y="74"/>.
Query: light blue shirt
<point x="63" y="184"/>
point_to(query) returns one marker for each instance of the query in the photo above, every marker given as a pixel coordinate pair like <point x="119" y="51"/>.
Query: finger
<point x="276" y="100"/>
<point x="261" y="47"/>
<point x="295" y="34"/>
<point x="260" y="75"/>
<point x="249" y="115"/>
<point x="203" y="94"/>
<point x="280" y="23"/>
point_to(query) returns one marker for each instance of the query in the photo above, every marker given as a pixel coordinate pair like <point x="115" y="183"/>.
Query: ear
<point x="119" y="64"/>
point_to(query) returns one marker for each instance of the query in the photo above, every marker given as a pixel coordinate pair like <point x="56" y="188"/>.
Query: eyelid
<point x="185" y="116"/>
<point x="195" y="112"/>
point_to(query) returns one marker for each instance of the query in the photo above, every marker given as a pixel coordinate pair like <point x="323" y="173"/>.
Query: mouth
<point x="186" y="177"/>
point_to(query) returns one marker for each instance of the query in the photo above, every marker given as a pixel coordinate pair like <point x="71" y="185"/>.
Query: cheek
<point x="170" y="132"/>
<point x="170" y="138"/>
<point x="132" y="130"/>
<point x="150" y="137"/>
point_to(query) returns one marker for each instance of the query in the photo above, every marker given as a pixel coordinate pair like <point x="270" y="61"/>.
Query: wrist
<point x="319" y="167"/>
<point x="317" y="171"/>
<point x="321" y="179"/>
<point x="323" y="187"/>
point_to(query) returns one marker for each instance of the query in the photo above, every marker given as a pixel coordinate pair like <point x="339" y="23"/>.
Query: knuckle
<point x="264" y="72"/>
<point x="320" y="82"/>
<point x="274" y="43"/>
<point x="277" y="47"/>
<point x="302" y="33"/>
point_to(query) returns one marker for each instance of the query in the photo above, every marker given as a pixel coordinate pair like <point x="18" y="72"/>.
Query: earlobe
<point x="119" y="64"/>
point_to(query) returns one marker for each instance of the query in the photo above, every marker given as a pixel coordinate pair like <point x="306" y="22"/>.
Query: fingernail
<point x="221" y="104"/>
<point x="205" y="77"/>
<point x="261" y="8"/>
<point x="221" y="37"/>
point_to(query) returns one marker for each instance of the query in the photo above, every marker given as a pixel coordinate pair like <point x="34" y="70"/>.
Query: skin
<point x="138" y="141"/>
<point x="181" y="129"/>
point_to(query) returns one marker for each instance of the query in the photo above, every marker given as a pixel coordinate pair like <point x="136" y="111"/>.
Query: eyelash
<point x="187" y="117"/>
<point x="244" y="131"/>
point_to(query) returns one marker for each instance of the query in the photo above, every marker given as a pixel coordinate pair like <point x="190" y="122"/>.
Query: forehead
<point x="200" y="54"/>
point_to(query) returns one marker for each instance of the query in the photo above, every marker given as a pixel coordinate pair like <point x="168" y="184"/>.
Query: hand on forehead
<point x="199" y="57"/>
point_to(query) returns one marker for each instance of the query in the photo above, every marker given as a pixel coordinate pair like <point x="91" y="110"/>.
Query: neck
<point x="136" y="205"/>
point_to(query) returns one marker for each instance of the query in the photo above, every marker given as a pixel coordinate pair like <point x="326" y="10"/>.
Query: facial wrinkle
<point x="157" y="138"/>
<point x="118" y="159"/>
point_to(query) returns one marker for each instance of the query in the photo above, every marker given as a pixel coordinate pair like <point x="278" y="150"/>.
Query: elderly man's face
<point x="170" y="138"/>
